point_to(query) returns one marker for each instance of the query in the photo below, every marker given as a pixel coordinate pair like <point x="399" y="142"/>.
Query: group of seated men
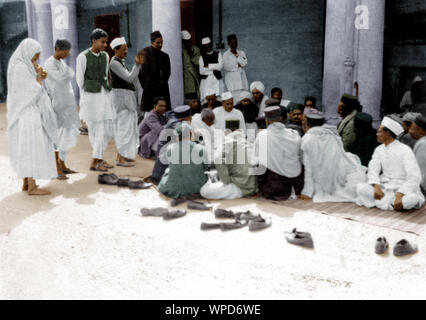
<point x="230" y="150"/>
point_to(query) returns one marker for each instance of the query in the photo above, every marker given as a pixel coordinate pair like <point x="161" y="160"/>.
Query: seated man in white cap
<point x="212" y="101"/>
<point x="277" y="149"/>
<point x="418" y="132"/>
<point x="228" y="112"/>
<point x="124" y="101"/>
<point x="190" y="59"/>
<point x="211" y="64"/>
<point x="407" y="121"/>
<point x="331" y="174"/>
<point x="393" y="173"/>
<point x="232" y="161"/>
<point x="258" y="91"/>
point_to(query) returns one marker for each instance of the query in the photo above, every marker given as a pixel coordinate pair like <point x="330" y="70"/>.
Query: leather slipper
<point x="381" y="245"/>
<point x="224" y="214"/>
<point x="174" y="214"/>
<point x="196" y="205"/>
<point x="154" y="212"/>
<point x="403" y="248"/>
<point x="303" y="239"/>
<point x="258" y="224"/>
<point x="209" y="226"/>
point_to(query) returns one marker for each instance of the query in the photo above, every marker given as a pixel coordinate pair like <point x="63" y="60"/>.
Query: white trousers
<point x="219" y="190"/>
<point x="67" y="138"/>
<point x="365" y="197"/>
<point x="99" y="134"/>
<point x="126" y="134"/>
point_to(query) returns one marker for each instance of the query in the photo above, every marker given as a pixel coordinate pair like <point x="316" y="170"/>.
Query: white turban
<point x="210" y="92"/>
<point x="257" y="85"/>
<point x="245" y="95"/>
<point x="117" y="42"/>
<point x="185" y="35"/>
<point x="205" y="40"/>
<point x="392" y="125"/>
<point x="417" y="79"/>
<point x="226" y="95"/>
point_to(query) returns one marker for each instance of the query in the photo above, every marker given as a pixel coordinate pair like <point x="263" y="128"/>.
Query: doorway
<point x="197" y="18"/>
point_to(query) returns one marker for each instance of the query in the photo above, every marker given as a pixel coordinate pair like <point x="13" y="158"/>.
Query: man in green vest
<point x="124" y="102"/>
<point x="95" y="97"/>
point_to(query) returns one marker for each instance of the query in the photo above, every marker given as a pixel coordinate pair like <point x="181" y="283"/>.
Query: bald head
<point x="207" y="116"/>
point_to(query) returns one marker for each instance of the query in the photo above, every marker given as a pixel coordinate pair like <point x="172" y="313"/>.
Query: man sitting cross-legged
<point x="393" y="173"/>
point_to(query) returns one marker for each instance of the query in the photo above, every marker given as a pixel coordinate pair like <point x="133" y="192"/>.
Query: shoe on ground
<point x="125" y="164"/>
<point x="381" y="245"/>
<point x="177" y="201"/>
<point x="174" y="214"/>
<point x="224" y="214"/>
<point x="258" y="224"/>
<point x="62" y="176"/>
<point x="139" y="185"/>
<point x="154" y="212"/>
<point x="123" y="182"/>
<point x="196" y="205"/>
<point x="233" y="225"/>
<point x="69" y="171"/>
<point x="109" y="179"/>
<point x="248" y="215"/>
<point x="209" y="226"/>
<point x="403" y="248"/>
<point x="303" y="239"/>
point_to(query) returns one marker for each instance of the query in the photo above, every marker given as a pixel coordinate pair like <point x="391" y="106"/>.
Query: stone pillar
<point x="42" y="18"/>
<point x="143" y="20"/>
<point x="370" y="56"/>
<point x="166" y="19"/>
<point x="30" y="18"/>
<point x="64" y="26"/>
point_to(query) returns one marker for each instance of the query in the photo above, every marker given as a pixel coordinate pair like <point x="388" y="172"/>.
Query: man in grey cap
<point x="418" y="132"/>
<point x="407" y="121"/>
<point x="278" y="150"/>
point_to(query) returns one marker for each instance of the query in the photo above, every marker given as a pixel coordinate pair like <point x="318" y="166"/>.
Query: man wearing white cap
<point x="190" y="60"/>
<point x="124" y="95"/>
<point x="211" y="63"/>
<point x="393" y="173"/>
<point x="228" y="112"/>
<point x="257" y="89"/>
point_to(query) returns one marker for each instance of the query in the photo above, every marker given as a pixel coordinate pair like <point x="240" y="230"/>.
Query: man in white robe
<point x="202" y="128"/>
<point x="59" y="88"/>
<point x="211" y="64"/>
<point x="32" y="129"/>
<point x="394" y="175"/>
<point x="228" y="112"/>
<point x="257" y="89"/>
<point x="124" y="95"/>
<point x="418" y="132"/>
<point x="234" y="62"/>
<point x="331" y="174"/>
<point x="95" y="97"/>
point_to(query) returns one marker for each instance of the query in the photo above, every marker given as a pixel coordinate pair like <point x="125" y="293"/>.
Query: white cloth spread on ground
<point x="32" y="127"/>
<point x="211" y="84"/>
<point x="61" y="93"/>
<point x="278" y="149"/>
<point x="420" y="153"/>
<point x="96" y="109"/>
<point x="400" y="173"/>
<point x="126" y="133"/>
<point x="235" y="76"/>
<point x="331" y="174"/>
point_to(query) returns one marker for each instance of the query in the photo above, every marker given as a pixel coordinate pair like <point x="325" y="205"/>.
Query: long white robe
<point x="331" y="174"/>
<point x="278" y="149"/>
<point x="235" y="76"/>
<point x="32" y="127"/>
<point x="200" y="128"/>
<point x="420" y="153"/>
<point x="126" y="133"/>
<point x="96" y="109"/>
<point x="61" y="93"/>
<point x="211" y="83"/>
<point x="220" y="123"/>
<point x="394" y="167"/>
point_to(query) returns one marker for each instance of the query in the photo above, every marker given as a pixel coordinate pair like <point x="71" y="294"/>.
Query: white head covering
<point x="210" y="91"/>
<point x="410" y="116"/>
<point x="185" y="35"/>
<point x="417" y="79"/>
<point x="245" y="95"/>
<point x="226" y="95"/>
<point x="392" y="125"/>
<point x="257" y="85"/>
<point x="205" y="40"/>
<point x="117" y="42"/>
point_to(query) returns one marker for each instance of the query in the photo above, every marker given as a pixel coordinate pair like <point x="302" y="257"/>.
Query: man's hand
<point x="304" y="197"/>
<point x="378" y="193"/>
<point x="41" y="73"/>
<point x="397" y="205"/>
<point x="140" y="59"/>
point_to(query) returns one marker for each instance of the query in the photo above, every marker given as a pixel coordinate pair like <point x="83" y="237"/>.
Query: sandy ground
<point x="87" y="241"/>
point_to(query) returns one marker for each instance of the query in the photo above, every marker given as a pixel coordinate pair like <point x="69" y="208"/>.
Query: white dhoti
<point x="126" y="133"/>
<point x="67" y="138"/>
<point x="31" y="151"/>
<point x="365" y="197"/>
<point x="219" y="190"/>
<point x="99" y="134"/>
<point x="252" y="130"/>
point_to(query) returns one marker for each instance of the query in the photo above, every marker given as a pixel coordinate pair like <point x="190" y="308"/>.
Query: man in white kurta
<point x="394" y="175"/>
<point x="211" y="64"/>
<point x="418" y="131"/>
<point x="257" y="89"/>
<point x="228" y="112"/>
<point x="95" y="97"/>
<point x="202" y="128"/>
<point x="234" y="62"/>
<point x="331" y="174"/>
<point x="124" y="94"/>
<point x="59" y="87"/>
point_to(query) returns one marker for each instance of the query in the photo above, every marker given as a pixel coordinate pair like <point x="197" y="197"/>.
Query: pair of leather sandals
<point x="401" y="248"/>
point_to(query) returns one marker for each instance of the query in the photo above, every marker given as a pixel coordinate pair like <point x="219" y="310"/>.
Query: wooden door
<point x="111" y="24"/>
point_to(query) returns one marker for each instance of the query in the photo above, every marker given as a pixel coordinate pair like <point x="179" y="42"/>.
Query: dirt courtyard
<point x="87" y="241"/>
